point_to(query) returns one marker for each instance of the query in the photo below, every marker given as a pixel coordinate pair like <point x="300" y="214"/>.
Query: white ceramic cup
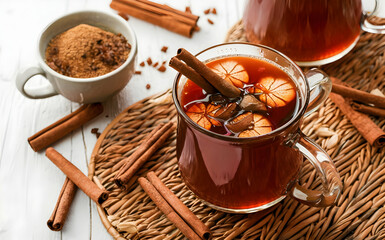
<point x="81" y="90"/>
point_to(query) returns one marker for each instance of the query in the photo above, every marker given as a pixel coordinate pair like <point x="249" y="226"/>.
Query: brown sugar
<point x="86" y="51"/>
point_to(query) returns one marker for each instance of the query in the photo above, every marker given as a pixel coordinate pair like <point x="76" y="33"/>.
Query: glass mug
<point x="244" y="175"/>
<point x="310" y="32"/>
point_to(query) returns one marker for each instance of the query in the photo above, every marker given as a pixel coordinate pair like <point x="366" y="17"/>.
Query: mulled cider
<point x="256" y="171"/>
<point x="268" y="98"/>
<point x="304" y="30"/>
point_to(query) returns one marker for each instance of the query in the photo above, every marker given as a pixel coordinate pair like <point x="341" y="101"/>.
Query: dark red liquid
<point x="238" y="175"/>
<point x="304" y="30"/>
<point x="257" y="69"/>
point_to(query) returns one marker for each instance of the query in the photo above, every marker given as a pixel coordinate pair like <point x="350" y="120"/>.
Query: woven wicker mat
<point x="359" y="214"/>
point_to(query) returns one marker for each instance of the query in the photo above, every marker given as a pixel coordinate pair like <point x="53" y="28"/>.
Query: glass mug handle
<point x="331" y="182"/>
<point x="320" y="87"/>
<point x="366" y="25"/>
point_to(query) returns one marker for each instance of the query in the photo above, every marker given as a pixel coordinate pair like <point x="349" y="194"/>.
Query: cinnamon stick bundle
<point x="167" y="209"/>
<point x="64" y="126"/>
<point x="223" y="86"/>
<point x="357" y="95"/>
<point x="77" y="177"/>
<point x="368" y="129"/>
<point x="123" y="165"/>
<point x="133" y="163"/>
<point x="161" y="15"/>
<point x="191" y="219"/>
<point x="59" y="214"/>
<point x="369" y="110"/>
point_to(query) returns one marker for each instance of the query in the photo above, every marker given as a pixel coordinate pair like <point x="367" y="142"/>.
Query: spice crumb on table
<point x="162" y="68"/>
<point x="149" y="61"/>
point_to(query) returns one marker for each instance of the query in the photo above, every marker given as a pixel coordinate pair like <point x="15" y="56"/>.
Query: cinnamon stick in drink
<point x="190" y="218"/>
<point x="369" y="110"/>
<point x="368" y="129"/>
<point x="77" y="177"/>
<point x="357" y="95"/>
<point x="143" y="154"/>
<point x="64" y="126"/>
<point x="191" y="74"/>
<point x="223" y="86"/>
<point x="165" y="207"/>
<point x="161" y="15"/>
<point x="63" y="204"/>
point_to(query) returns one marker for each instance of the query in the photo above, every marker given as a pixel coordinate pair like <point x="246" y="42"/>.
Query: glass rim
<point x="273" y="133"/>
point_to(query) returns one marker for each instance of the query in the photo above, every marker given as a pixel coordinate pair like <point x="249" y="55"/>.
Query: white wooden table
<point x="29" y="182"/>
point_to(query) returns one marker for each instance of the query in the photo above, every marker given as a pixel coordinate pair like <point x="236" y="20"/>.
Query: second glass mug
<point x="244" y="175"/>
<point x="312" y="32"/>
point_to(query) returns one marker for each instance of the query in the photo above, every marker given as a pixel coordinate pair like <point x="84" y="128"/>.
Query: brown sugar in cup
<point x="86" y="51"/>
<point x="81" y="90"/>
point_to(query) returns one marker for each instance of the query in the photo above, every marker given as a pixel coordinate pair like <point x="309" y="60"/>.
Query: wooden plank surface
<point x="29" y="182"/>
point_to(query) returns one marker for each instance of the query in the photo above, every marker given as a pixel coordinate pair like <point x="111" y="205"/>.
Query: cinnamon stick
<point x="190" y="218"/>
<point x="148" y="141"/>
<point x="225" y="87"/>
<point x="369" y="110"/>
<point x="59" y="214"/>
<point x="161" y="15"/>
<point x="368" y="129"/>
<point x="76" y="176"/>
<point x="191" y="74"/>
<point x="165" y="207"/>
<point x="134" y="163"/>
<point x="64" y="126"/>
<point x="357" y="95"/>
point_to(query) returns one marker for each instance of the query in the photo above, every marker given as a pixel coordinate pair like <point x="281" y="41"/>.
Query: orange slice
<point x="261" y="126"/>
<point x="232" y="71"/>
<point x="210" y="113"/>
<point x="276" y="92"/>
<point x="197" y="113"/>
